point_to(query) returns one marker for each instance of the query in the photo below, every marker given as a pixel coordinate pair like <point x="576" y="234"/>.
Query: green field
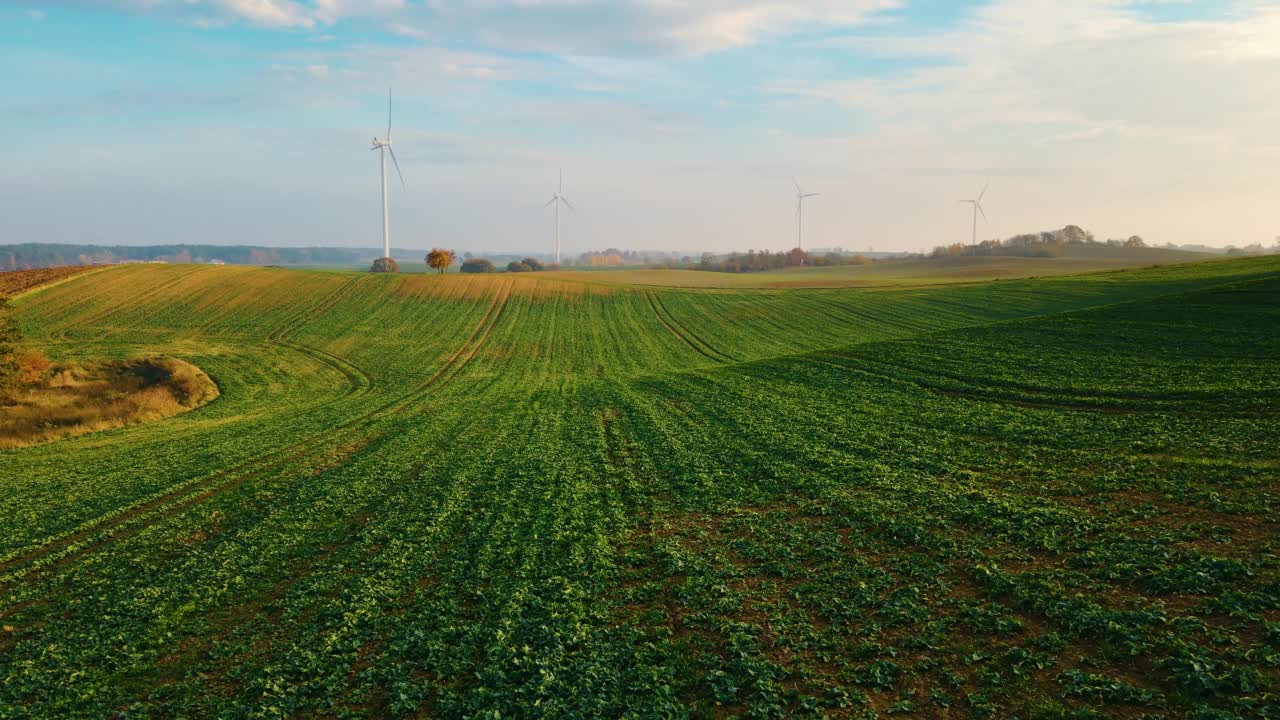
<point x="890" y="273"/>
<point x="513" y="496"/>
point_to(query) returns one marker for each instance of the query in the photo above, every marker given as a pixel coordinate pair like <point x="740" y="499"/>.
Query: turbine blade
<point x="984" y="191"/>
<point x="552" y="200"/>
<point x="397" y="164"/>
<point x="560" y="186"/>
<point x="797" y="184"/>
<point x="984" y="212"/>
<point x="568" y="204"/>
<point x="389" y="115"/>
<point x="812" y="194"/>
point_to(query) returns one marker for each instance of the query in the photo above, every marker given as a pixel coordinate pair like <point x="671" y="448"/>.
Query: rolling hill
<point x="927" y="271"/>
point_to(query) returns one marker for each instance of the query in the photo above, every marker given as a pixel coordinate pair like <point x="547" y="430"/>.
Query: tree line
<point x="26" y="256"/>
<point x="485" y="265"/>
<point x="762" y="260"/>
<point x="1047" y="244"/>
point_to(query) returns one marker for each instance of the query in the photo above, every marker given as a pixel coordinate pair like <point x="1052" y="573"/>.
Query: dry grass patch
<point x="79" y="398"/>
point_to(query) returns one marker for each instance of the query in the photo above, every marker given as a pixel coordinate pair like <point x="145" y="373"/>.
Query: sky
<point x="679" y="124"/>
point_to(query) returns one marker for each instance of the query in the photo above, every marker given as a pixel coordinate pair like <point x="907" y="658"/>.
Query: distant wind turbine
<point x="977" y="208"/>
<point x="800" y="196"/>
<point x="383" y="146"/>
<point x="559" y="199"/>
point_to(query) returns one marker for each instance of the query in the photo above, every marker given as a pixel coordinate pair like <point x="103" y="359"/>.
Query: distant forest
<point x="1053" y="243"/>
<point x="36" y="255"/>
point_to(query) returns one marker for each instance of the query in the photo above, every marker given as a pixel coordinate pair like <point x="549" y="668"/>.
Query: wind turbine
<point x="558" y="199"/>
<point x="383" y="146"/>
<point x="800" y="196"/>
<point x="977" y="208"/>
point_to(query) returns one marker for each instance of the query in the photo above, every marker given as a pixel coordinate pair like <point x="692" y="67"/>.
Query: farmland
<point x="495" y="496"/>
<point x="899" y="272"/>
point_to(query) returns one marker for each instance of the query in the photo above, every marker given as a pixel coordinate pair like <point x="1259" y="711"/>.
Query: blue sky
<point x="678" y="124"/>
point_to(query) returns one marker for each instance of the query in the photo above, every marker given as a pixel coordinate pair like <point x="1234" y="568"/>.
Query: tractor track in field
<point x="302" y="316"/>
<point x="471" y="347"/>
<point x="252" y="607"/>
<point x="103" y="531"/>
<point x="1038" y="398"/>
<point x="360" y="382"/>
<point x="686" y="336"/>
<point x="295" y="317"/>
<point x="129" y="304"/>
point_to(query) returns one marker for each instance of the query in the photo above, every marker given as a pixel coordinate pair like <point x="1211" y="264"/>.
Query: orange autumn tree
<point x="440" y="259"/>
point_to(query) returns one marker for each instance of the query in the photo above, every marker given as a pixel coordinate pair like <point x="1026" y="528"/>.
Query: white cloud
<point x="409" y="31"/>
<point x="710" y="26"/>
<point x="1081" y="70"/>
<point x="331" y="11"/>
<point x="590" y="27"/>
<point x="270" y="13"/>
<point x="627" y="27"/>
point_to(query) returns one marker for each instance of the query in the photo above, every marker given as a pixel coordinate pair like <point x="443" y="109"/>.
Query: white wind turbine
<point x="800" y="196"/>
<point x="559" y="199"/>
<point x="383" y="146"/>
<point x="977" y="208"/>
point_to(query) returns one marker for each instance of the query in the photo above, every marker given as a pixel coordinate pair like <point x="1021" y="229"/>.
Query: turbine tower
<point x="800" y="196"/>
<point x="558" y="199"/>
<point x="977" y="208"/>
<point x="383" y="146"/>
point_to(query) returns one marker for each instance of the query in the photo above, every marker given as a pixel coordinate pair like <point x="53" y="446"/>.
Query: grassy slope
<point x="469" y="494"/>
<point x="80" y="398"/>
<point x="1080" y="259"/>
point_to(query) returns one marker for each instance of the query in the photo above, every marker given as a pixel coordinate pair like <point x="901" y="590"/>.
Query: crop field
<point x="889" y="273"/>
<point x="496" y="496"/>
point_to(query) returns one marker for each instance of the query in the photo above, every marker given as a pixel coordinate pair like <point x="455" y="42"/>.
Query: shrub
<point x="514" y="266"/>
<point x="11" y="352"/>
<point x="478" y="265"/>
<point x="385" y="265"/>
<point x="440" y="259"/>
<point x="33" y="365"/>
